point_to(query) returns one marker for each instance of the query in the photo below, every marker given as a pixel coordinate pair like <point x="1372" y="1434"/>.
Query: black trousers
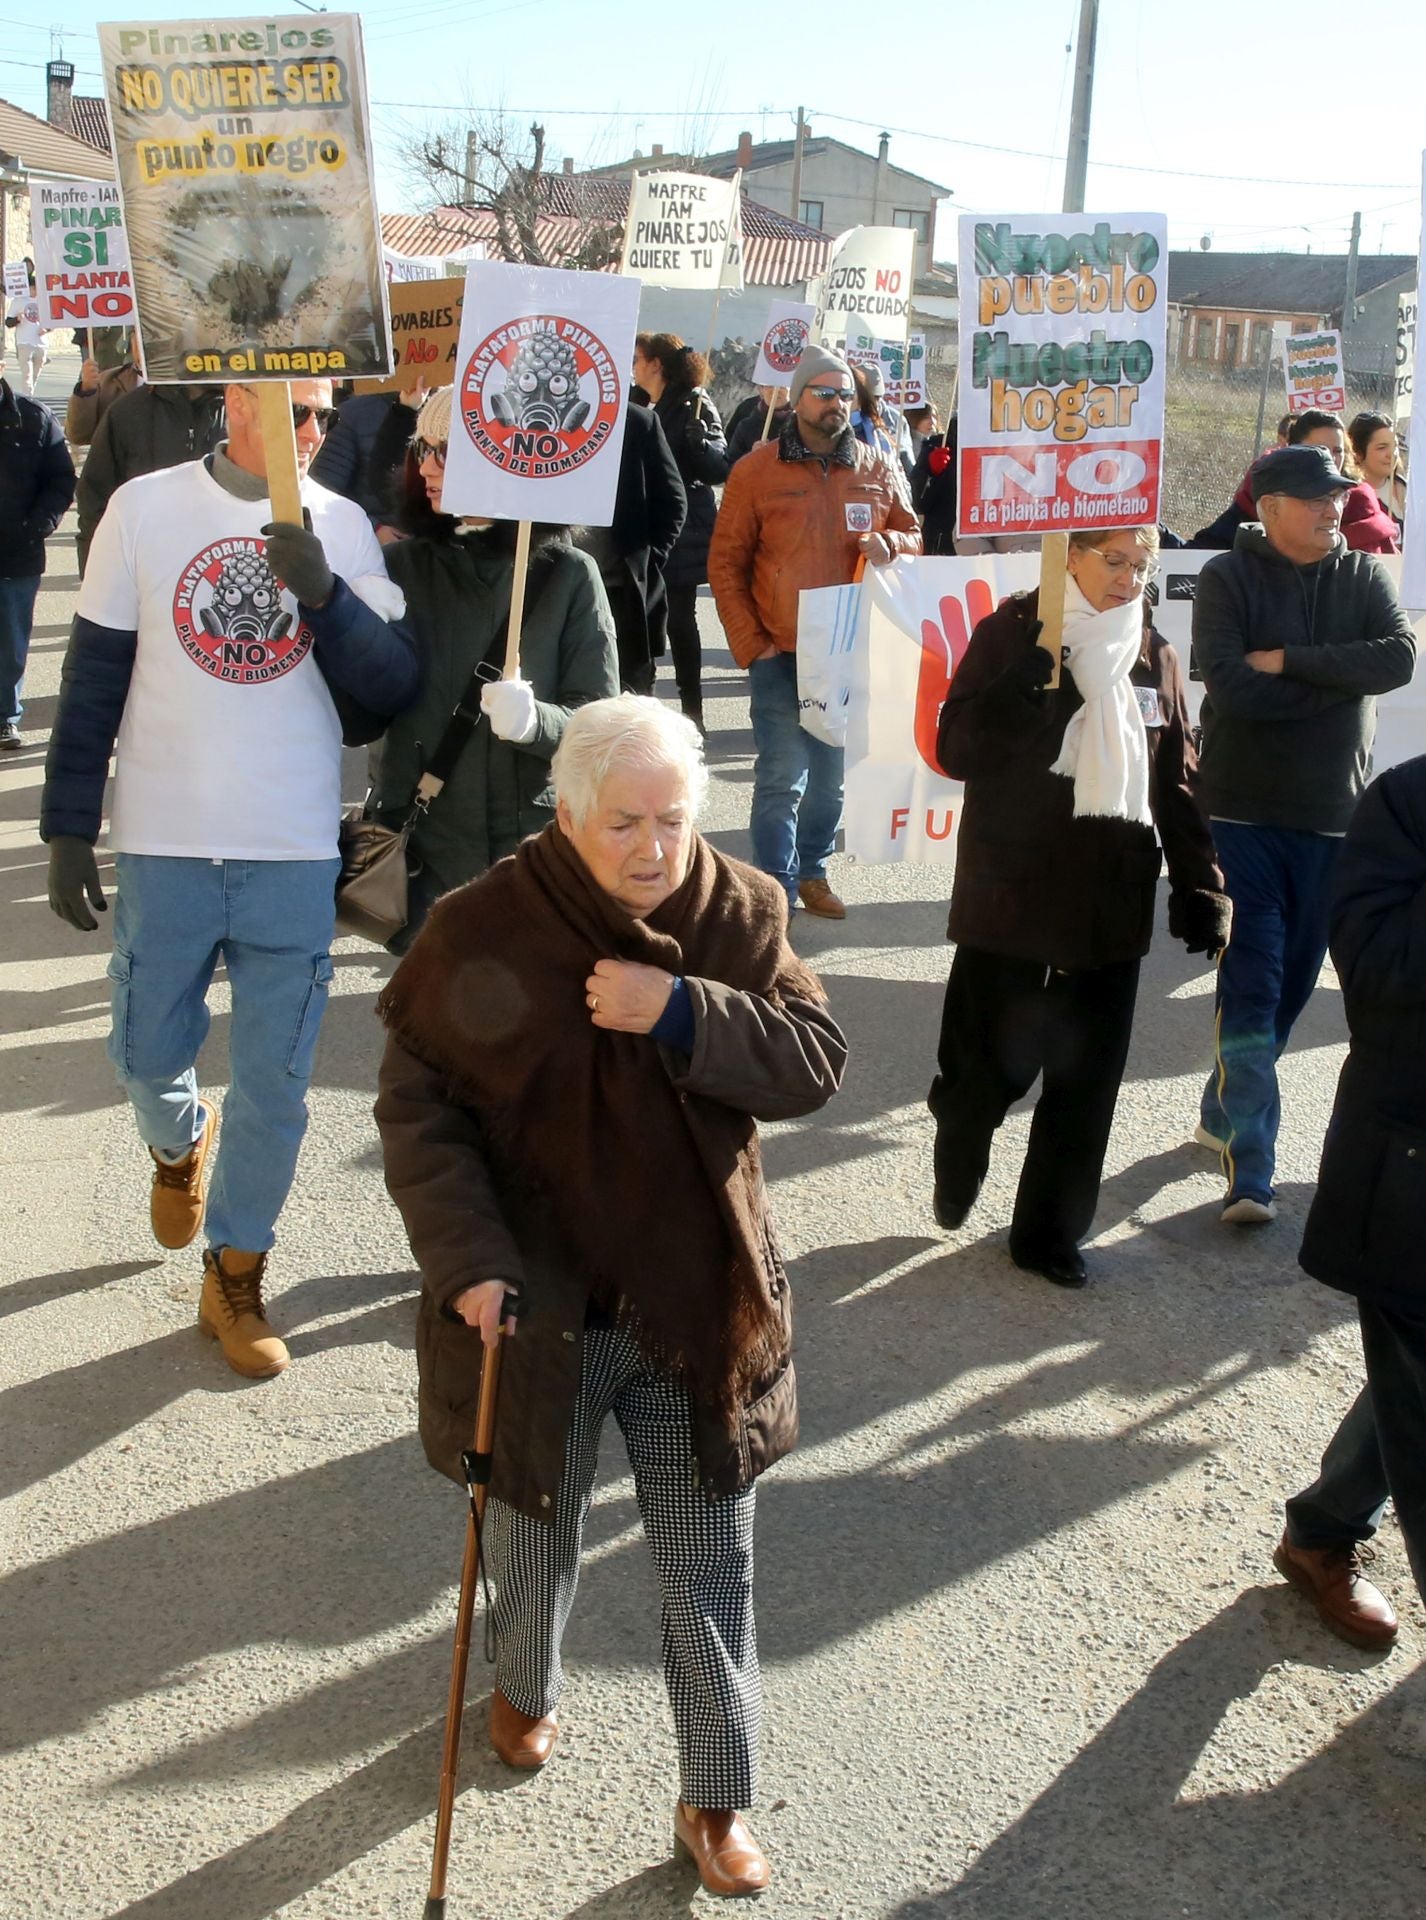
<point x="1003" y="1023"/>
<point x="685" y="645"/>
<point x="1379" y="1448"/>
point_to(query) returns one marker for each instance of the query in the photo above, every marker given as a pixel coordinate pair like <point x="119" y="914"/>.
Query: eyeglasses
<point x="421" y="450"/>
<point x="1119" y="564"/>
<point x="831" y="393"/>
<point x="326" y="417"/>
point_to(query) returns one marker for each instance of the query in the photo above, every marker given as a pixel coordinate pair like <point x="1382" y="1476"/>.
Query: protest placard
<point x="401" y="267"/>
<point x="81" y="254"/>
<point x="542" y="377"/>
<point x="425" y="327"/>
<point x="684" y="230"/>
<point x="243" y="152"/>
<point x="887" y="356"/>
<point x="17" y="280"/>
<point x="1405" y="354"/>
<point x="1313" y="364"/>
<point x="784" y="337"/>
<point x="1061" y="388"/>
<point x="866" y="285"/>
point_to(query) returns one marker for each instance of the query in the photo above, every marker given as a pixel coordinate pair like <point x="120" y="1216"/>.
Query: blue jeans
<point x="797" y="781"/>
<point x="271" y="922"/>
<point x="1280" y="882"/>
<point x="17" y="617"/>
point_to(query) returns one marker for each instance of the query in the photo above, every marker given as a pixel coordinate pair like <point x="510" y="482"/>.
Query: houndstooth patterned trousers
<point x="703" y="1553"/>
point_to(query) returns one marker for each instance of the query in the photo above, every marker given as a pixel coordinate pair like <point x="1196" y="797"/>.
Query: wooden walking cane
<point x="476" y="1461"/>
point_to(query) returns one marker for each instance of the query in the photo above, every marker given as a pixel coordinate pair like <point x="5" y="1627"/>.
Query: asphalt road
<point x="1026" y="1655"/>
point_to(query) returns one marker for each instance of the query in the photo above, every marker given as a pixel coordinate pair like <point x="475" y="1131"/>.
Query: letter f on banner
<point x="942" y="650"/>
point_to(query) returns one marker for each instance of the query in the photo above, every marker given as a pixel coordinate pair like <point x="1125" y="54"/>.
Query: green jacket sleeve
<point x="588" y="659"/>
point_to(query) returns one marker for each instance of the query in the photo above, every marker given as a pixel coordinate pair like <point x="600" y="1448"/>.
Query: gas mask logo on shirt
<point x="229" y="617"/>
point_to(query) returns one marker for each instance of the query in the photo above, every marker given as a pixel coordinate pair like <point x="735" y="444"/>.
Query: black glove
<point x="697" y="432"/>
<point x="1202" y="920"/>
<point x="296" y="557"/>
<point x="74" y="875"/>
<point x="1032" y="670"/>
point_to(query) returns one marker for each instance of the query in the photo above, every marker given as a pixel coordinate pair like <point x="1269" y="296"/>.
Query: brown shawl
<point x="653" y="1196"/>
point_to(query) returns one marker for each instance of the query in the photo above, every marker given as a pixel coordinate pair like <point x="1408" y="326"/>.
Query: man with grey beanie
<point x="802" y="510"/>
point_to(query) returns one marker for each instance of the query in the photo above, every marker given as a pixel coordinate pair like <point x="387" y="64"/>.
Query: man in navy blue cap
<point x="1294" y="637"/>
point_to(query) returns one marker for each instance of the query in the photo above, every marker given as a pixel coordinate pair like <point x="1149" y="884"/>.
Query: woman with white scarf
<point x="1069" y="794"/>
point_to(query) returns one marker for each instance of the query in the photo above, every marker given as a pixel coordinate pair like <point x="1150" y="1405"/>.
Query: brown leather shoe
<point x="176" y="1202"/>
<point x="1348" y="1604"/>
<point x="230" y="1311"/>
<point x="520" y="1740"/>
<point x="728" y="1859"/>
<point x="819" y="898"/>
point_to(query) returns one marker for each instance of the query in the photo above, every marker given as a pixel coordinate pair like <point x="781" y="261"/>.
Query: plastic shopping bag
<point x="826" y="632"/>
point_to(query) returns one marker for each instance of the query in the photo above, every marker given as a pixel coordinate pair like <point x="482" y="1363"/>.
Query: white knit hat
<point x="433" y="422"/>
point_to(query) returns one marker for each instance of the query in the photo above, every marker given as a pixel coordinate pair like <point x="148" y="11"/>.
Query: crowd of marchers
<point x="594" y="1006"/>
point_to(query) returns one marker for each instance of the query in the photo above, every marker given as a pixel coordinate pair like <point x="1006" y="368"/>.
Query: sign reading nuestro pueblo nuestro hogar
<point x="81" y="254"/>
<point x="244" y="158"/>
<point x="1314" y="371"/>
<point x="1062" y="371"/>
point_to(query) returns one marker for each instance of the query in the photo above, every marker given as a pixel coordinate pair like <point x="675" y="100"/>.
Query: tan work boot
<point x="179" y="1191"/>
<point x="817" y="897"/>
<point x="230" y="1311"/>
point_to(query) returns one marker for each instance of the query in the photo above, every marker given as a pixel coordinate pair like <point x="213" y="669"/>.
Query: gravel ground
<point x="1026" y="1656"/>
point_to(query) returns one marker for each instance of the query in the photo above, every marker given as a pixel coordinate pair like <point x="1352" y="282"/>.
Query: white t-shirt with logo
<point x="230" y="747"/>
<point x="25" y="308"/>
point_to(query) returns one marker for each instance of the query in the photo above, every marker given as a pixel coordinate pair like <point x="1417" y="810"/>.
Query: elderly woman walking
<point x="579" y="1046"/>
<point x="1052" y="908"/>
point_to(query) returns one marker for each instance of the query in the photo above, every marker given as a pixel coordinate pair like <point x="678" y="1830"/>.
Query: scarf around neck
<point x="1104" y="750"/>
<point x="597" y="1161"/>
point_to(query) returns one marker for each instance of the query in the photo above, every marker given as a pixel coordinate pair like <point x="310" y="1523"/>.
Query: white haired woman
<point x="579" y="1045"/>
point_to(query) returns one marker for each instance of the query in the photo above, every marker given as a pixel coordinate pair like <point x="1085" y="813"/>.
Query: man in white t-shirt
<point x="24" y="319"/>
<point x="224" y="655"/>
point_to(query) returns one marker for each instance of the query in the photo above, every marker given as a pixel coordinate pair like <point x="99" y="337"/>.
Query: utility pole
<point x="1077" y="159"/>
<point x="1349" y="294"/>
<point x="796" y="208"/>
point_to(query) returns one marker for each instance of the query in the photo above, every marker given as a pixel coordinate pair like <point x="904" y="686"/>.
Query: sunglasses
<point x="831" y="393"/>
<point x="434" y="449"/>
<point x="326" y="417"/>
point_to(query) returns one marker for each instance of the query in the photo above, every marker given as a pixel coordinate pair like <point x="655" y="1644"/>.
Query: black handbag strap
<point x="468" y="712"/>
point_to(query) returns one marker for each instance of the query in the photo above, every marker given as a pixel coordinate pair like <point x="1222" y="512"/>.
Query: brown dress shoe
<point x="728" y="1859"/>
<point x="176" y="1203"/>
<point x="1350" y="1605"/>
<point x="230" y="1311"/>
<point x="519" y="1740"/>
<point x="819" y="898"/>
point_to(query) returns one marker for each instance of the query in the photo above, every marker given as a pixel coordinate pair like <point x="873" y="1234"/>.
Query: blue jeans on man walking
<point x="17" y="618"/>
<point x="271" y="923"/>
<point x="797" y="781"/>
<point x="1280" y="882"/>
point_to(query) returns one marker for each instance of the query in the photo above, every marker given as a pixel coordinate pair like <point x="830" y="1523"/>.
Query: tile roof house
<point x="1224" y="304"/>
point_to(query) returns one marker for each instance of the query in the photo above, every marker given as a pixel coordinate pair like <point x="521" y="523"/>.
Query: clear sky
<point x="1213" y="114"/>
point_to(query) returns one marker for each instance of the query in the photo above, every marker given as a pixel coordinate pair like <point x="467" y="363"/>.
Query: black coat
<point x="1033" y="882"/>
<point x="1367" y="1225"/>
<point x="650" y="508"/>
<point x="933" y="494"/>
<point x="365" y="451"/>
<point x="152" y="427"/>
<point x="702" y="461"/>
<point x="36" y="482"/>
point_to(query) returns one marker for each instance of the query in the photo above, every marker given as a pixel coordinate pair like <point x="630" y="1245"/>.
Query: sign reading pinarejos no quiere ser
<point x="243" y="150"/>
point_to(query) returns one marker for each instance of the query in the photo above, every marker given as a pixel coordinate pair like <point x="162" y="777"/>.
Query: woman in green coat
<point x="456" y="577"/>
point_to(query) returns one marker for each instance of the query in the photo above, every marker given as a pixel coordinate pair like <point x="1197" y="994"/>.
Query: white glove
<point x="510" y="707"/>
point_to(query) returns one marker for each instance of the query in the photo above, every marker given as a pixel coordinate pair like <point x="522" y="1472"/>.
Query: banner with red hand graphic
<point x="916" y="620"/>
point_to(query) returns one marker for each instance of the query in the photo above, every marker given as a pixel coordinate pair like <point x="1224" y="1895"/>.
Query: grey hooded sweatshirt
<point x="1294" y="749"/>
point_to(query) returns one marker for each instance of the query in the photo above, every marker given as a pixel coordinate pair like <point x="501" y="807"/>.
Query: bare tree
<point x="484" y="162"/>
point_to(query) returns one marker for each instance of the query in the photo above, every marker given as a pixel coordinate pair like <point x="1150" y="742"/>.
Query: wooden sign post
<point x="279" y="445"/>
<point x="1054" y="556"/>
<point x="511" y="670"/>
